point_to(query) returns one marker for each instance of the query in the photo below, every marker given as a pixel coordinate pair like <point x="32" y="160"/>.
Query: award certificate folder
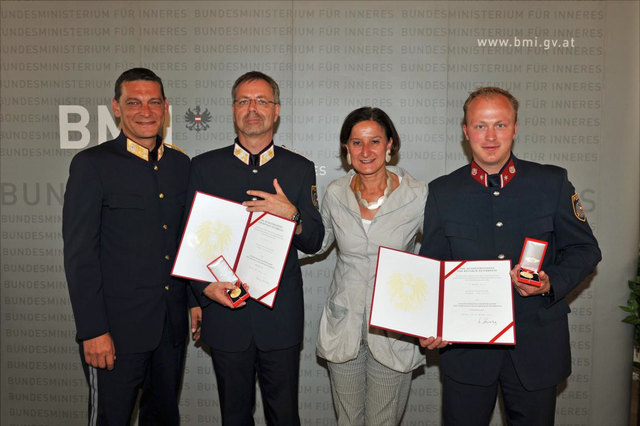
<point x="460" y="301"/>
<point x="255" y="245"/>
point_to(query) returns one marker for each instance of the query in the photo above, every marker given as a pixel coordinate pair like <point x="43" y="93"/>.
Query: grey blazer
<point x="348" y="304"/>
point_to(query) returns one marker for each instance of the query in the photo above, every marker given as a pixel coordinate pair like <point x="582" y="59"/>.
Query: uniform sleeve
<point x="434" y="242"/>
<point x="81" y="227"/>
<point x="197" y="287"/>
<point x="577" y="252"/>
<point x="310" y="239"/>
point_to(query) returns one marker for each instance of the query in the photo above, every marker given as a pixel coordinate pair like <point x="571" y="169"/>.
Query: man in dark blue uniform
<point x="485" y="210"/>
<point x="254" y="339"/>
<point x="122" y="213"/>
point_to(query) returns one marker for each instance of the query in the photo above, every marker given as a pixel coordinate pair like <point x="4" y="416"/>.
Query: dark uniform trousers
<point x="277" y="372"/>
<point x="113" y="393"/>
<point x="255" y="339"/>
<point x="523" y="407"/>
<point x="468" y="220"/>
<point x="122" y="219"/>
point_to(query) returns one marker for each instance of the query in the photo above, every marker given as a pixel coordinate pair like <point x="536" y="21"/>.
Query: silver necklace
<point x="374" y="204"/>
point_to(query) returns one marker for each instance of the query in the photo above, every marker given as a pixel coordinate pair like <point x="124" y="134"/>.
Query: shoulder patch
<point x="578" y="211"/>
<point x="177" y="148"/>
<point x="314" y="196"/>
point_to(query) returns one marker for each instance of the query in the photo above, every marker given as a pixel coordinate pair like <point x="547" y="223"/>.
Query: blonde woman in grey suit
<point x="373" y="205"/>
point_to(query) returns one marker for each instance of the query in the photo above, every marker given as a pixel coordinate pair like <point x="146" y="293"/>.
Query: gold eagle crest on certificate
<point x="407" y="292"/>
<point x="211" y="239"/>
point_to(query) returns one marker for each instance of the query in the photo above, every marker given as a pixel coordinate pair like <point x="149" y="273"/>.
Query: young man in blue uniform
<point x="253" y="338"/>
<point x="122" y="214"/>
<point x="485" y="210"/>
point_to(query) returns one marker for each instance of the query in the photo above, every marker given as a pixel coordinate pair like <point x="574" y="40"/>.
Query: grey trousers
<point x="366" y="392"/>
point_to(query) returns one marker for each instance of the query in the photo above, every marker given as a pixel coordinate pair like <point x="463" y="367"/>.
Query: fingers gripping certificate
<point x="254" y="245"/>
<point x="460" y="301"/>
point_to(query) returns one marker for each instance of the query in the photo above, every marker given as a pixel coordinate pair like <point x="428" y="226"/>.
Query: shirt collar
<point x="507" y="173"/>
<point x="142" y="152"/>
<point x="259" y="159"/>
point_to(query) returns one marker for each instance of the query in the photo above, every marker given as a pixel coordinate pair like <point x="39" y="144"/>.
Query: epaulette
<point x="294" y="151"/>
<point x="177" y="148"/>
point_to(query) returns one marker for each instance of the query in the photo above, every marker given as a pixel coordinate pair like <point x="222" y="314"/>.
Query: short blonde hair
<point x="488" y="92"/>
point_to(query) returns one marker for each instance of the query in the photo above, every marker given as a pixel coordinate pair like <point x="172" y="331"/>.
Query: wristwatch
<point x="296" y="217"/>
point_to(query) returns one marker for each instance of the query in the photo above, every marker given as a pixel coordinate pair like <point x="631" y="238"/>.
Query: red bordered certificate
<point x="255" y="245"/>
<point x="460" y="301"/>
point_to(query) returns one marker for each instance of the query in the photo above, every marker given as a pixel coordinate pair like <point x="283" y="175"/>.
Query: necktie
<point x="494" y="180"/>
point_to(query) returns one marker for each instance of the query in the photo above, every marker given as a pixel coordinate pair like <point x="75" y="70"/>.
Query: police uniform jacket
<point x="348" y="305"/>
<point x="224" y="175"/>
<point x="465" y="220"/>
<point x="121" y="222"/>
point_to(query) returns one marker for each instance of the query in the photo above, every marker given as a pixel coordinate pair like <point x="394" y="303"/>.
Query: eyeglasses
<point x="259" y="102"/>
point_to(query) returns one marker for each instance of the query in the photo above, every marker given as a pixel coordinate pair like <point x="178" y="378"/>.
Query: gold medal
<point x="235" y="293"/>
<point x="526" y="274"/>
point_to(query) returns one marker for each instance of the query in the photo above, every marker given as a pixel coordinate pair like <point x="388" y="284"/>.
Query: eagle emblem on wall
<point x="197" y="120"/>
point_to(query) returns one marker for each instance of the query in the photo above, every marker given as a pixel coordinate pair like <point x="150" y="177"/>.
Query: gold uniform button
<point x="155" y="167"/>
<point x="496" y="193"/>
<point x="165" y="226"/>
<point x="166" y="256"/>
<point x="255" y="171"/>
<point x="166" y="287"/>
<point x="501" y="256"/>
<point x="499" y="224"/>
<point x="161" y="195"/>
